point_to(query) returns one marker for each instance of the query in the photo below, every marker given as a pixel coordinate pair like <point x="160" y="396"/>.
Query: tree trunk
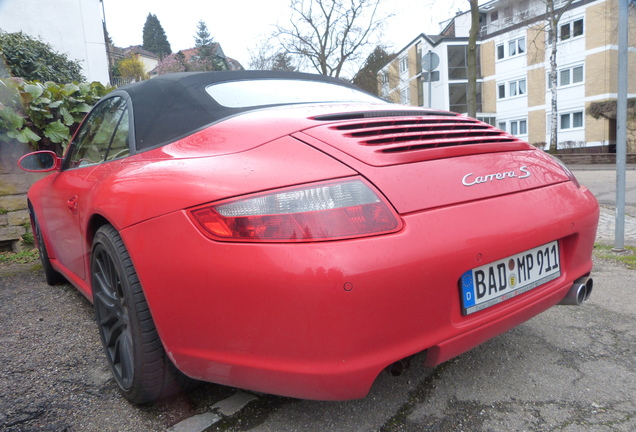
<point x="553" y="98"/>
<point x="471" y="54"/>
<point x="553" y="37"/>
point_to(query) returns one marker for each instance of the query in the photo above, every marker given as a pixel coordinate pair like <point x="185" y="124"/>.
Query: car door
<point x="102" y="137"/>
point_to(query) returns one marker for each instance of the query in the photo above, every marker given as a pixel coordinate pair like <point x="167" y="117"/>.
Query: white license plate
<point x="501" y="280"/>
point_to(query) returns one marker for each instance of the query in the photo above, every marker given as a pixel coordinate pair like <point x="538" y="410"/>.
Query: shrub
<point x="132" y="68"/>
<point x="32" y="59"/>
<point x="44" y="115"/>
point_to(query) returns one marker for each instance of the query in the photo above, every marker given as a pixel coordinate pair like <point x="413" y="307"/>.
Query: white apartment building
<point x="513" y="65"/>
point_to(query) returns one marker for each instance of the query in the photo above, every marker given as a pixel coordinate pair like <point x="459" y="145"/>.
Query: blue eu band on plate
<point x="501" y="280"/>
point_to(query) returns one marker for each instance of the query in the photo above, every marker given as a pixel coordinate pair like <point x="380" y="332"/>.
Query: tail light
<point x="316" y="212"/>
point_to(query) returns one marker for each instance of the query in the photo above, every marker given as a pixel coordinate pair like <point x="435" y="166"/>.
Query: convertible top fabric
<point x="170" y="107"/>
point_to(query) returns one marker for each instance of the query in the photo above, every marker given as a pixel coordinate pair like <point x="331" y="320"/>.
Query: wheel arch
<point x="95" y="222"/>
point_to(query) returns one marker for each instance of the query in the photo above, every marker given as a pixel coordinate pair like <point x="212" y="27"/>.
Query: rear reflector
<point x="318" y="212"/>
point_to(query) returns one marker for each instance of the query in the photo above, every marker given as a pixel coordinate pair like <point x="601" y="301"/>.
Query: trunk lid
<point x="438" y="159"/>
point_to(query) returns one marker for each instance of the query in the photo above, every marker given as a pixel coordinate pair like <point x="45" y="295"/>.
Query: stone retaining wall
<point x="594" y="158"/>
<point x="14" y="184"/>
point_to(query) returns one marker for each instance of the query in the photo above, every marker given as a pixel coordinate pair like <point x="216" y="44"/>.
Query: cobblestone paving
<point x="607" y="227"/>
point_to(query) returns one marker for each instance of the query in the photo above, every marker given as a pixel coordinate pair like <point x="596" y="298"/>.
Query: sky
<point x="240" y="25"/>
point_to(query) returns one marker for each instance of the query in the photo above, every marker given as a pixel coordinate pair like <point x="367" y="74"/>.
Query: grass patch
<point x="627" y="257"/>
<point x="24" y="257"/>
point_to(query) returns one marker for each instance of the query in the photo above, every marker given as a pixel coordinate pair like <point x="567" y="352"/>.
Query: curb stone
<point x="225" y="408"/>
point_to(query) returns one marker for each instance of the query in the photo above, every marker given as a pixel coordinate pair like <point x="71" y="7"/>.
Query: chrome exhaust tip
<point x="579" y="292"/>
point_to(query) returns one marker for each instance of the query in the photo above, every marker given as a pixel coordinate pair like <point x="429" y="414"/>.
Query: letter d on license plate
<point x="501" y="280"/>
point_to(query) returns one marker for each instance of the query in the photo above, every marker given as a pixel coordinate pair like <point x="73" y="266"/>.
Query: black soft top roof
<point x="173" y="106"/>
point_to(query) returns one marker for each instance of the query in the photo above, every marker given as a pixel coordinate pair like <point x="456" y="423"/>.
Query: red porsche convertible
<point x="290" y="234"/>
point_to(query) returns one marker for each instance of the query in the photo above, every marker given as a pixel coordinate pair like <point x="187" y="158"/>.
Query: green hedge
<point x="44" y="115"/>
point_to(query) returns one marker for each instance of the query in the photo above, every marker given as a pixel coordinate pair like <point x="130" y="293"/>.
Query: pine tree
<point x="203" y="42"/>
<point x="155" y="39"/>
<point x="367" y="76"/>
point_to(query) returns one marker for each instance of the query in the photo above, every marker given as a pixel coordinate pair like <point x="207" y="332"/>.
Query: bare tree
<point x="553" y="18"/>
<point x="329" y="33"/>
<point x="268" y="57"/>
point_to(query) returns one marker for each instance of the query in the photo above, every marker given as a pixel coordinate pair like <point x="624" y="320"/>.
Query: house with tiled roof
<point x="228" y="63"/>
<point x="149" y="60"/>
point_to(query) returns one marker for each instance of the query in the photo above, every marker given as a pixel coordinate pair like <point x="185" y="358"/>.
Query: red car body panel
<point x="321" y="319"/>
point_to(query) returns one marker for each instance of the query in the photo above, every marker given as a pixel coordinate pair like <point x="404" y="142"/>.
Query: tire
<point x="142" y="370"/>
<point x="52" y="276"/>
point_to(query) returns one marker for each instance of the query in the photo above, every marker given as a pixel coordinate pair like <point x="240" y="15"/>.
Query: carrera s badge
<point x="522" y="173"/>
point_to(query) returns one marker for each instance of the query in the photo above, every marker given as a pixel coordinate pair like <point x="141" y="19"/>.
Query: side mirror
<point x="40" y="161"/>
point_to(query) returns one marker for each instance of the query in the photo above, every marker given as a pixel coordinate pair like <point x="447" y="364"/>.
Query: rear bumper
<point x="321" y="320"/>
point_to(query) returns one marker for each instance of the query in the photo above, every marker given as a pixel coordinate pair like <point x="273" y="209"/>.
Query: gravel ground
<point x="53" y="373"/>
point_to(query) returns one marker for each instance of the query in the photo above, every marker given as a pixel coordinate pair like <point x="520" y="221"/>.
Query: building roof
<point x="232" y="64"/>
<point x="137" y="49"/>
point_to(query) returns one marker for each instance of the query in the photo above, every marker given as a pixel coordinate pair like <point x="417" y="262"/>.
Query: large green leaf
<point x="82" y="108"/>
<point x="71" y="88"/>
<point x="34" y="90"/>
<point x="57" y="132"/>
<point x="66" y="115"/>
<point x="25" y="135"/>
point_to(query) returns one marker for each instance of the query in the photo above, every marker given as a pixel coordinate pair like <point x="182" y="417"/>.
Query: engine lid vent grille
<point x="391" y="140"/>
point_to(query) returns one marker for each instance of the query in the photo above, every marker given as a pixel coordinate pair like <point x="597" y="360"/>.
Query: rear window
<point x="243" y="94"/>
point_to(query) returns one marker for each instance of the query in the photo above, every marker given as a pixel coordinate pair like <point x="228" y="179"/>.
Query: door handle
<point x="72" y="204"/>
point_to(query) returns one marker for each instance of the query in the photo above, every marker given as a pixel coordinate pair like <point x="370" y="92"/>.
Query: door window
<point x="103" y="136"/>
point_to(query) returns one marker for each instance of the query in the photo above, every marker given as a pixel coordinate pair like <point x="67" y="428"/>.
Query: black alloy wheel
<point x="140" y="366"/>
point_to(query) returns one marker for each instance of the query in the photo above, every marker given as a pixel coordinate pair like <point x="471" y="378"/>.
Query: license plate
<point x="493" y="283"/>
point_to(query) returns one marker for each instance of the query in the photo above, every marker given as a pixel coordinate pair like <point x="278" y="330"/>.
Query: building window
<point x="404" y="96"/>
<point x="571" y="120"/>
<point x="487" y="119"/>
<point x="519" y="127"/>
<point x="512" y="48"/>
<point x="515" y="127"/>
<point x="404" y="64"/>
<point x="384" y="76"/>
<point x="568" y="76"/>
<point x="577" y="74"/>
<point x="494" y="16"/>
<point x="515" y="47"/>
<point x="571" y="30"/>
<point x="458" y="61"/>
<point x="515" y="88"/>
<point x="564" y="77"/>
<point x="457" y="97"/>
